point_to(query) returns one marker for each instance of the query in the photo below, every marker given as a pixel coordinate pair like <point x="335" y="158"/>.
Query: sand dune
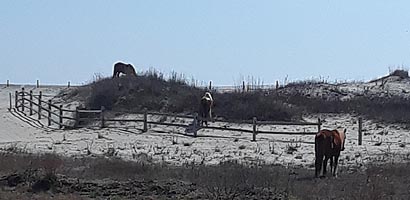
<point x="175" y="146"/>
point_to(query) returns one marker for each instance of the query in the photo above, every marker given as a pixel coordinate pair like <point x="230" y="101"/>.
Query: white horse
<point x="205" y="109"/>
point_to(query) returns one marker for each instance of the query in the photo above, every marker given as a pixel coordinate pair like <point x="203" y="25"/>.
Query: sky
<point x="223" y="41"/>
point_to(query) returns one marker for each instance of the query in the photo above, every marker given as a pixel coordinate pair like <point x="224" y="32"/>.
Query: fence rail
<point x="37" y="106"/>
<point x="245" y="87"/>
<point x="55" y="114"/>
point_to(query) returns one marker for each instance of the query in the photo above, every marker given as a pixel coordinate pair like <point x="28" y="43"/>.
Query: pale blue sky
<point x="59" y="41"/>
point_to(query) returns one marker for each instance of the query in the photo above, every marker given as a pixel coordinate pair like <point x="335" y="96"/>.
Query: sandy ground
<point x="381" y="142"/>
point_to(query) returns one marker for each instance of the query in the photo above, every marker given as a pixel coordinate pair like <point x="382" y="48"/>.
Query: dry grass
<point x="390" y="110"/>
<point x="225" y="181"/>
<point x="174" y="95"/>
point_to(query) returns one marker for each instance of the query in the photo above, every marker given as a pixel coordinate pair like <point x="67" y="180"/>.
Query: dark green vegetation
<point x="174" y="95"/>
<point x="26" y="176"/>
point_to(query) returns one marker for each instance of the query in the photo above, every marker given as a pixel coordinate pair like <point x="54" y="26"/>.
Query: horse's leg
<point x="203" y="119"/>
<point x="318" y="165"/>
<point x="335" y="167"/>
<point x="210" y="114"/>
<point x="318" y="156"/>
<point x="325" y="165"/>
<point x="201" y="116"/>
<point x="331" y="164"/>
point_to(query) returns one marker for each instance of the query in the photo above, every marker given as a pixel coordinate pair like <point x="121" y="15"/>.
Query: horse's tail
<point x="318" y="138"/>
<point x="202" y="108"/>
<point x="114" y="71"/>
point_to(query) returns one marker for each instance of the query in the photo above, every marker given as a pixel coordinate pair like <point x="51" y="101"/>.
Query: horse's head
<point x="343" y="137"/>
<point x="131" y="70"/>
<point x="208" y="96"/>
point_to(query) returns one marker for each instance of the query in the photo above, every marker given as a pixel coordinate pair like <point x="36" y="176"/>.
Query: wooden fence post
<point x="49" y="113"/>
<point x="10" y="102"/>
<point x="38" y="84"/>
<point x="195" y="124"/>
<point x="39" y="105"/>
<point x="210" y="85"/>
<point x="319" y="124"/>
<point x="77" y="117"/>
<point x="102" y="117"/>
<point x="254" y="130"/>
<point x="8" y="83"/>
<point x="22" y="99"/>
<point x="68" y="84"/>
<point x="277" y="84"/>
<point x="243" y="86"/>
<point x="360" y="131"/>
<point x="145" y="127"/>
<point x="16" y="99"/>
<point x="31" y="102"/>
<point x="61" y="117"/>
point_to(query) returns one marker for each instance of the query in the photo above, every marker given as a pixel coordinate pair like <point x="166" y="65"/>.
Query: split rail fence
<point x="55" y="114"/>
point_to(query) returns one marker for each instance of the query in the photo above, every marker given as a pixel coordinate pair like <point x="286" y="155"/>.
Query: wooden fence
<point x="56" y="114"/>
<point x="37" y="105"/>
<point x="245" y="87"/>
<point x="37" y="83"/>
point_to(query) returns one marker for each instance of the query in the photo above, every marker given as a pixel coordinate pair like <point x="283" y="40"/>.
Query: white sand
<point x="175" y="146"/>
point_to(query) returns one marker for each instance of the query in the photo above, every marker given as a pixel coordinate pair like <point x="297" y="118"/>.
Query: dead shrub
<point x="228" y="180"/>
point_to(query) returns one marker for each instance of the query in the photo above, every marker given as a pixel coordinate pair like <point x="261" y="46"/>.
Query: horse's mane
<point x="208" y="96"/>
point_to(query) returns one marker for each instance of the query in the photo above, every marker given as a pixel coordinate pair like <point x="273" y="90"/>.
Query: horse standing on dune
<point x="127" y="69"/>
<point x="328" y="144"/>
<point x="205" y="108"/>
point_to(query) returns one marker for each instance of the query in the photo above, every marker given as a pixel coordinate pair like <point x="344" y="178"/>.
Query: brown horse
<point x="205" y="108"/>
<point x="328" y="144"/>
<point x="127" y="69"/>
